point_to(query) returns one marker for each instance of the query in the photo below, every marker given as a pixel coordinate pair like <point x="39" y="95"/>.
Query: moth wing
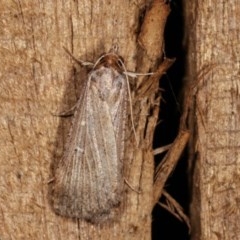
<point x="88" y="178"/>
<point x="118" y="112"/>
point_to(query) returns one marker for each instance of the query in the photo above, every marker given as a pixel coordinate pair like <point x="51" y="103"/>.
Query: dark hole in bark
<point x="164" y="225"/>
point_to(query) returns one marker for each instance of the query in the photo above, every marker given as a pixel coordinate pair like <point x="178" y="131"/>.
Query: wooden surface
<point x="213" y="38"/>
<point x="36" y="81"/>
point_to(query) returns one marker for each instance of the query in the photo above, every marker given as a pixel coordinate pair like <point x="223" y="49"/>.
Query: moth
<point x="88" y="180"/>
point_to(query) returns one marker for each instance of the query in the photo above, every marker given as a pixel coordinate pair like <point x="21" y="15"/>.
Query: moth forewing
<point x="88" y="180"/>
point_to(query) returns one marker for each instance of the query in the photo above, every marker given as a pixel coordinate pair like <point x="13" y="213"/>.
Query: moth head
<point x="111" y="60"/>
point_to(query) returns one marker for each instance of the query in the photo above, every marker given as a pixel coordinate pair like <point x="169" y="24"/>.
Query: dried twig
<point x="175" y="209"/>
<point x="168" y="164"/>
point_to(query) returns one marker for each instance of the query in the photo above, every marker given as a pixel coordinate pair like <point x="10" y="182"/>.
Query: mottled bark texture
<point x="38" y="79"/>
<point x="213" y="35"/>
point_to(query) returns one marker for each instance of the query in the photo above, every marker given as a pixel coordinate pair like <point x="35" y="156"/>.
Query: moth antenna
<point x="130" y="99"/>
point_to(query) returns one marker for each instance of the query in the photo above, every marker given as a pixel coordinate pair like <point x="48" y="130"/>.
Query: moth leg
<point x="80" y="62"/>
<point x="67" y="113"/>
<point x="134" y="74"/>
<point x="131" y="187"/>
<point x="161" y="149"/>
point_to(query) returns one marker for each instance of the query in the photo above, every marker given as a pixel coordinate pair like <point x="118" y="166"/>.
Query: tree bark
<point x="213" y="73"/>
<point x="37" y="80"/>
